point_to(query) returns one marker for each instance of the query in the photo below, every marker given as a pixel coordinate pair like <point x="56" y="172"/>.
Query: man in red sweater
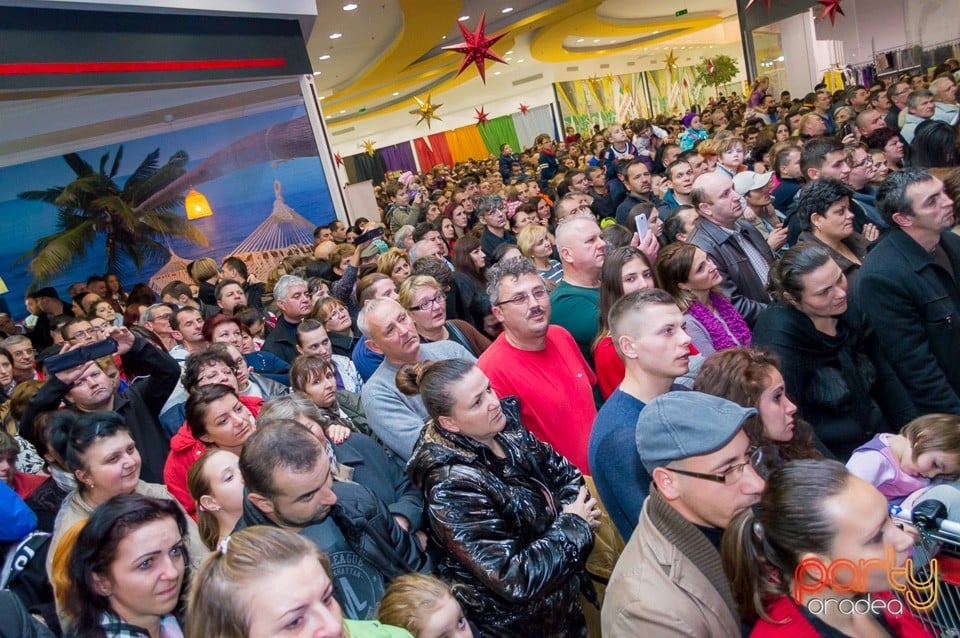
<point x="539" y="363"/>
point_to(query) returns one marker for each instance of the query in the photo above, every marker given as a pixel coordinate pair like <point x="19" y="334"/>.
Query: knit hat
<point x="689" y="118"/>
<point x="678" y="425"/>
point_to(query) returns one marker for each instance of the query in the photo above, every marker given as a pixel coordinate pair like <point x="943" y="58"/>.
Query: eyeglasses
<point x="518" y="300"/>
<point x="864" y="162"/>
<point x="165" y="317"/>
<point x="432" y="302"/>
<point x="733" y="474"/>
<point x="89" y="332"/>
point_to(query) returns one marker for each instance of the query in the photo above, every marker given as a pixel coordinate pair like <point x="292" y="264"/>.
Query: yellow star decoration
<point x="671" y="62"/>
<point x="426" y="110"/>
<point x="368" y="147"/>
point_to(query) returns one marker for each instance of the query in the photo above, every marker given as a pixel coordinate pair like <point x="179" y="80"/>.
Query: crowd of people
<point x="624" y="383"/>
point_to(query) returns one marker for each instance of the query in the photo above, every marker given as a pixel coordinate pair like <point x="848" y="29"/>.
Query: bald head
<point x="715" y="199"/>
<point x="323" y="249"/>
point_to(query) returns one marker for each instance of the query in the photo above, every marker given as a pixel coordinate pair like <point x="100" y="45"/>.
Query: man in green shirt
<point x="576" y="300"/>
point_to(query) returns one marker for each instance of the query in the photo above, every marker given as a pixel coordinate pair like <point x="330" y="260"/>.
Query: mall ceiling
<point x="370" y="57"/>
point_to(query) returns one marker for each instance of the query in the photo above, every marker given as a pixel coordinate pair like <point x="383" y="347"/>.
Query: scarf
<point x="719" y="336"/>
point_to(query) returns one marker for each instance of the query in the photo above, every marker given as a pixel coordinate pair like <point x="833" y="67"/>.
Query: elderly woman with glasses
<point x="424" y="298"/>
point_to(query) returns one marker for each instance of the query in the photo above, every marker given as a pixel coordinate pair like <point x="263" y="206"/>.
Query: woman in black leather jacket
<point x="511" y="523"/>
<point x="831" y="362"/>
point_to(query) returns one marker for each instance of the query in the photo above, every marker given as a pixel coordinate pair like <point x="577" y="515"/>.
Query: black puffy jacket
<point x="497" y="529"/>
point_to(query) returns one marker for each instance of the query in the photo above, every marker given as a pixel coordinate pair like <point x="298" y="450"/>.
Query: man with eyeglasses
<point x="24" y="357"/>
<point x="669" y="579"/>
<point x="156" y="318"/>
<point x="539" y="363"/>
<point x="79" y="332"/>
<point x="493" y="214"/>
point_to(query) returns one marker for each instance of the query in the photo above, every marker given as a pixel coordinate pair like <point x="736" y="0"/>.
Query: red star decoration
<point x="476" y="48"/>
<point x="766" y="3"/>
<point x="524" y="108"/>
<point x="481" y="116"/>
<point x="338" y="158"/>
<point x="831" y="8"/>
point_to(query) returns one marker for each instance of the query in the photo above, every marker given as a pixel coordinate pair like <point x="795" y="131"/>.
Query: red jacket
<point x="184" y="451"/>
<point x="24" y="484"/>
<point x="795" y="625"/>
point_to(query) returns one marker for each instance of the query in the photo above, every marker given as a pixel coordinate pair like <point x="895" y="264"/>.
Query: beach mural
<point x="120" y="207"/>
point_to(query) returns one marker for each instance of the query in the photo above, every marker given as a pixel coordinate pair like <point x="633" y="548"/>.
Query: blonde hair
<point x="389" y="260"/>
<point x="933" y="432"/>
<point x="203" y="269"/>
<point x="198" y="484"/>
<point x="411" y="284"/>
<point x="410" y="600"/>
<point x="60" y="564"/>
<point x="227" y="579"/>
<point x="528" y="238"/>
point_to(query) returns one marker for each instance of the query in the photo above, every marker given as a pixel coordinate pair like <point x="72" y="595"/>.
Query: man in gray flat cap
<point x="669" y="580"/>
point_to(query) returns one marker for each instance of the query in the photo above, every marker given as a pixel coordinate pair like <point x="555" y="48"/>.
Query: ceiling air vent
<point x="532" y="78"/>
<point x="343" y="131"/>
<point x="604" y="66"/>
<point x="573" y="68"/>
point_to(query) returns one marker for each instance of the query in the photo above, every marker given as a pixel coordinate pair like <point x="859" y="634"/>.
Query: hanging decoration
<point x="197" y="205"/>
<point x="831" y="8"/>
<point x="671" y="63"/>
<point x="427" y="110"/>
<point x="523" y="108"/>
<point x="711" y="67"/>
<point x="337" y="157"/>
<point x="766" y="3"/>
<point x="481" y="116"/>
<point x="476" y="48"/>
<point x="368" y="147"/>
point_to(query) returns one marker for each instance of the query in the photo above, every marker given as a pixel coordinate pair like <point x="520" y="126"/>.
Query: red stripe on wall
<point x="49" y="68"/>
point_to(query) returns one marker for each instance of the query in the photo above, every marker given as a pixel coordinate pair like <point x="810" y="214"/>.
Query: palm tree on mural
<point x="95" y="204"/>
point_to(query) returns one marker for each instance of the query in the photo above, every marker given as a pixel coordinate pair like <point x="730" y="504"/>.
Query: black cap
<point x="48" y="291"/>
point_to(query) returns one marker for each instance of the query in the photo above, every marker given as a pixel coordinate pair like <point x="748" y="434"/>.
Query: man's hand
<point x="124" y="339"/>
<point x="778" y="238"/>
<point x="69" y="376"/>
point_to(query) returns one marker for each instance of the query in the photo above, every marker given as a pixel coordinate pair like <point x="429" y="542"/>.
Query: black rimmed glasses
<point x="733" y="474"/>
<point x="432" y="302"/>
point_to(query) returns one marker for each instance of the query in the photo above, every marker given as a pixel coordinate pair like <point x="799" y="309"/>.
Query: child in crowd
<point x="620" y="148"/>
<point x="900" y="464"/>
<point x="423" y="605"/>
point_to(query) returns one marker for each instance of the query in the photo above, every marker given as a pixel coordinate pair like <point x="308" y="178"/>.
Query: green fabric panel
<point x="499" y="130"/>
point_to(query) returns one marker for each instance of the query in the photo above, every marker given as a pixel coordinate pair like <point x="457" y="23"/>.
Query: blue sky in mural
<point x="241" y="200"/>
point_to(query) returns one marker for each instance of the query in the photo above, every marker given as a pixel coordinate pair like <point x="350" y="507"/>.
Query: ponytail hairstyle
<point x="96" y="548"/>
<point x="411" y="599"/>
<point x="432" y="380"/>
<point x="741" y="375"/>
<point x="763" y="545"/>
<point x="228" y="578"/>
<point x="198" y="484"/>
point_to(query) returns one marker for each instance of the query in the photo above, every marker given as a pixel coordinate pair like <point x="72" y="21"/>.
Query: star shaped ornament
<point x="426" y="110"/>
<point x="368" y="147"/>
<point x="481" y="116"/>
<point x="523" y="108"/>
<point x="671" y="62"/>
<point x="339" y="159"/>
<point x="831" y="8"/>
<point x="476" y="48"/>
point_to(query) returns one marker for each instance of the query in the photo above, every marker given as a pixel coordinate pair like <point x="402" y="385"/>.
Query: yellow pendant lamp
<point x="197" y="205"/>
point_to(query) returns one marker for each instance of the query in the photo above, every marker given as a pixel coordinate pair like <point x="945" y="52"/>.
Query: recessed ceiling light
<point x="462" y="18"/>
<point x="327" y="117"/>
<point x="656" y="32"/>
<point x="325" y="56"/>
<point x="597" y="40"/>
<point x="507" y="59"/>
<point x="318" y="73"/>
<point x="343" y="111"/>
<point x="509" y="52"/>
<point x="444" y="38"/>
<point x="334" y="36"/>
<point x="396" y="93"/>
<point x="496" y="72"/>
<point x="506" y="10"/>
<point x="579" y="39"/>
<point x="349" y="7"/>
<point x="519" y="61"/>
